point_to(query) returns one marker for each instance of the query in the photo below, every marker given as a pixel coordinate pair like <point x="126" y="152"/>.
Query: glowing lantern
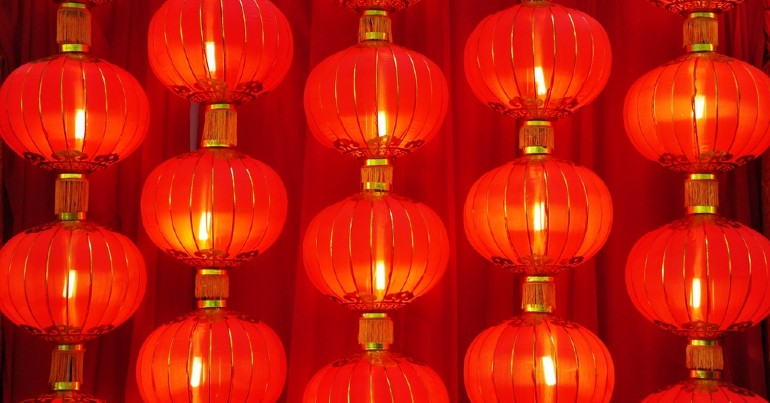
<point x="702" y="112"/>
<point x="538" y="357"/>
<point x="211" y="355"/>
<point x="376" y="377"/>
<point x="703" y="391"/>
<point x="72" y="112"/>
<point x="220" y="50"/>
<point x="70" y="281"/>
<point x="538" y="215"/>
<point x="538" y="60"/>
<point x="214" y="207"/>
<point x="376" y="99"/>
<point x="701" y="276"/>
<point x="375" y="251"/>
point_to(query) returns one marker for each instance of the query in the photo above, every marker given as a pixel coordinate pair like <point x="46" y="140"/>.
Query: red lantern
<point x="703" y="391"/>
<point x="376" y="100"/>
<point x="72" y="113"/>
<point x="376" y="377"/>
<point x="702" y="112"/>
<point x="220" y="51"/>
<point x="538" y="358"/>
<point x="70" y="281"/>
<point x="375" y="251"/>
<point x="214" y="207"/>
<point x="689" y="6"/>
<point x="701" y="276"/>
<point x="538" y="215"/>
<point x="538" y="60"/>
<point x="211" y="355"/>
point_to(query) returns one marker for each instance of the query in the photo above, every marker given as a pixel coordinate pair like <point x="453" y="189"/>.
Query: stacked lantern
<point x="71" y="280"/>
<point x="375" y="251"/>
<point x="702" y="276"/>
<point x="538" y="215"/>
<point x="215" y="208"/>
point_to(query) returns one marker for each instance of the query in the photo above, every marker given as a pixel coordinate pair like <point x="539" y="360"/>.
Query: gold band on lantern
<point x="700" y="32"/>
<point x="701" y="193"/>
<point x="536" y="137"/>
<point x="375" y="331"/>
<point x="697" y="374"/>
<point x="211" y="303"/>
<point x="538" y="294"/>
<point x="377" y="175"/>
<point x="74" y="48"/>
<point x="220" y="125"/>
<point x="374" y="25"/>
<point x="64" y="386"/>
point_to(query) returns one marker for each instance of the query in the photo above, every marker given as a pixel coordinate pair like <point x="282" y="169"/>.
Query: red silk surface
<point x="438" y="327"/>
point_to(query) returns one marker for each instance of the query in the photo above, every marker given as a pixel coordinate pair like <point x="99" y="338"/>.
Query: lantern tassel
<point x="67" y="367"/>
<point x="538" y="294"/>
<point x="536" y="137"/>
<point x="375" y="331"/>
<point x="704" y="356"/>
<point x="71" y="196"/>
<point x="701" y="29"/>
<point x="73" y="24"/>
<point x="212" y="284"/>
<point x="375" y="25"/>
<point x="220" y="127"/>
<point x="377" y="175"/>
<point x="701" y="193"/>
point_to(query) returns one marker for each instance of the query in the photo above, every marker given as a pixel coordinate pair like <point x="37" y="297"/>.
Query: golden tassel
<point x="66" y="367"/>
<point x="701" y="193"/>
<point x="374" y="25"/>
<point x="220" y="127"/>
<point x="71" y="196"/>
<point x="536" y="134"/>
<point x="701" y="29"/>
<point x="538" y="294"/>
<point x="704" y="355"/>
<point x="73" y="24"/>
<point x="212" y="284"/>
<point x="375" y="331"/>
<point x="377" y="175"/>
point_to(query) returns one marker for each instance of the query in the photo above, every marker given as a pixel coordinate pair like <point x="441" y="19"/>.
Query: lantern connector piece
<point x="536" y="137"/>
<point x="701" y="193"/>
<point x="375" y="25"/>
<point x="71" y="196"/>
<point x="66" y="367"/>
<point x="704" y="359"/>
<point x="377" y="175"/>
<point x="375" y="331"/>
<point x="212" y="288"/>
<point x="220" y="126"/>
<point x="538" y="294"/>
<point x="701" y="32"/>
<point x="73" y="27"/>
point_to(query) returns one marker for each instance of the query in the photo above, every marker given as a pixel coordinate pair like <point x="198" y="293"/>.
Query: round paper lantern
<point x="701" y="276"/>
<point x="538" y="60"/>
<point x="376" y="377"/>
<point x="538" y="215"/>
<point x="72" y="113"/>
<point x="538" y="358"/>
<point x="704" y="391"/>
<point x="70" y="281"/>
<point x="702" y="112"/>
<point x="384" y="5"/>
<point x="217" y="51"/>
<point x="375" y="251"/>
<point x="689" y="6"/>
<point x="215" y="207"/>
<point x="211" y="355"/>
<point x="376" y="100"/>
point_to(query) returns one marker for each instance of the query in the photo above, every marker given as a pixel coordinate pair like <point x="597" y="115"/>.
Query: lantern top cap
<point x="685" y="7"/>
<point x="360" y="6"/>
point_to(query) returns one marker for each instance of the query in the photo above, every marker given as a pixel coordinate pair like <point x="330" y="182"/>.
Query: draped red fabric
<point x="474" y="294"/>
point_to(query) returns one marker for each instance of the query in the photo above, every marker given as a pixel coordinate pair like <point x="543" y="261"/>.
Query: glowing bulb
<point x="80" y="127"/>
<point x="203" y="226"/>
<point x="382" y="123"/>
<point x="549" y="371"/>
<point x="195" y="373"/>
<point x="539" y="216"/>
<point x="695" y="294"/>
<point x="71" y="285"/>
<point x="379" y="278"/>
<point x="699" y="106"/>
<point x="211" y="57"/>
<point x="540" y="81"/>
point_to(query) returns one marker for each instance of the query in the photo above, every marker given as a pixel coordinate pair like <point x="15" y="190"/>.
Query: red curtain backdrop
<point x="474" y="294"/>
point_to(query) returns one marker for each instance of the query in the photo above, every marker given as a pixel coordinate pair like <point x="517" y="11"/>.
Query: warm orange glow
<point x="380" y="282"/>
<point x="695" y="299"/>
<point x="699" y="106"/>
<point x="195" y="372"/>
<point x="204" y="225"/>
<point x="541" y="88"/>
<point x="382" y="123"/>
<point x="539" y="228"/>
<point x="549" y="371"/>
<point x="71" y="285"/>
<point x="80" y="127"/>
<point x="211" y="57"/>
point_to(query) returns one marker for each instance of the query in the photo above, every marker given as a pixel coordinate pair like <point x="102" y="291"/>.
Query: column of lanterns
<point x="375" y="251"/>
<point x="71" y="280"/>
<point x="215" y="208"/>
<point x="702" y="276"/>
<point x="538" y="215"/>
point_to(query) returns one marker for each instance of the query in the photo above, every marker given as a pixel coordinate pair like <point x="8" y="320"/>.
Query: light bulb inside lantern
<point x="382" y="123"/>
<point x="203" y="226"/>
<point x="379" y="280"/>
<point x="539" y="226"/>
<point x="196" y="372"/>
<point x="72" y="282"/>
<point x="549" y="371"/>
<point x="541" y="89"/>
<point x="695" y="299"/>
<point x="80" y="128"/>
<point x="211" y="57"/>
